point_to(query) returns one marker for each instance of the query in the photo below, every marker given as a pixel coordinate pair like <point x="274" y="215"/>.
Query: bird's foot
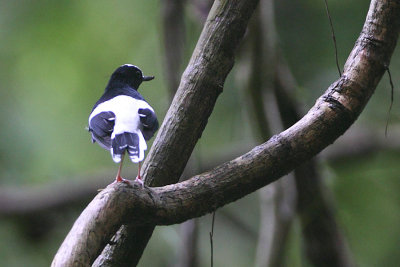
<point x="140" y="181"/>
<point x="119" y="179"/>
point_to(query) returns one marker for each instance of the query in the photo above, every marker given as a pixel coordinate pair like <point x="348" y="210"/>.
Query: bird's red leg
<point x="119" y="178"/>
<point x="138" y="178"/>
<point x="138" y="173"/>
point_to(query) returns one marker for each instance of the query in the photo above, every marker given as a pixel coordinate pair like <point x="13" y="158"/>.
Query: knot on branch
<point x="336" y="105"/>
<point x="347" y="96"/>
<point x="370" y="40"/>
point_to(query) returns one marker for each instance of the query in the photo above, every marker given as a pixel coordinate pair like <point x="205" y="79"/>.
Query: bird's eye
<point x="138" y="73"/>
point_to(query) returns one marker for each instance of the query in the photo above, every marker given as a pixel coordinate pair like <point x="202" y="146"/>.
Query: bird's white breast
<point x="125" y="109"/>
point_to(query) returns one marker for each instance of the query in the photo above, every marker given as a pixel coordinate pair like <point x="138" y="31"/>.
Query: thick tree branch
<point x="331" y="116"/>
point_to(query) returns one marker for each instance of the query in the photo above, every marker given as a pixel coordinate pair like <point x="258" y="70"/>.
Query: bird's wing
<point x="149" y="121"/>
<point x="101" y="126"/>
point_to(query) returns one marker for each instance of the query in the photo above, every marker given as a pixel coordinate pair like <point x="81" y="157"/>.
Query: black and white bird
<point x="121" y="120"/>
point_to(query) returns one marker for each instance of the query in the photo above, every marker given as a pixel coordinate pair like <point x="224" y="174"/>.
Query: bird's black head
<point x="129" y="74"/>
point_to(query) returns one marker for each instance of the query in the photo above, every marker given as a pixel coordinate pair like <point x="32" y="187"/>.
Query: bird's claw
<point x="128" y="182"/>
<point x="119" y="179"/>
<point x="140" y="181"/>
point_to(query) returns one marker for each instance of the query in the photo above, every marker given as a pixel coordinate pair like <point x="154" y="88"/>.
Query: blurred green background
<point x="55" y="60"/>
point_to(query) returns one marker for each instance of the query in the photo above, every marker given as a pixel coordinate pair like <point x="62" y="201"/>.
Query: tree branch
<point x="331" y="116"/>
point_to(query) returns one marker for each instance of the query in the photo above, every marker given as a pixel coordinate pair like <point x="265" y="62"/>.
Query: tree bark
<point x="331" y="116"/>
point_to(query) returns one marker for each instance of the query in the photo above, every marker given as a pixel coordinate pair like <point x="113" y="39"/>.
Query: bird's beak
<point x="148" y="78"/>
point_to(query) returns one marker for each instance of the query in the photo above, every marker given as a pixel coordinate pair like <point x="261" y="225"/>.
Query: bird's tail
<point x="133" y="143"/>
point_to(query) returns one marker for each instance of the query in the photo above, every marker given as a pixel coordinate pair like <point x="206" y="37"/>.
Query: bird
<point x="121" y="121"/>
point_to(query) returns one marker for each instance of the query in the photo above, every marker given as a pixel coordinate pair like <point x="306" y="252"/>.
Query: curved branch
<point x="331" y="116"/>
